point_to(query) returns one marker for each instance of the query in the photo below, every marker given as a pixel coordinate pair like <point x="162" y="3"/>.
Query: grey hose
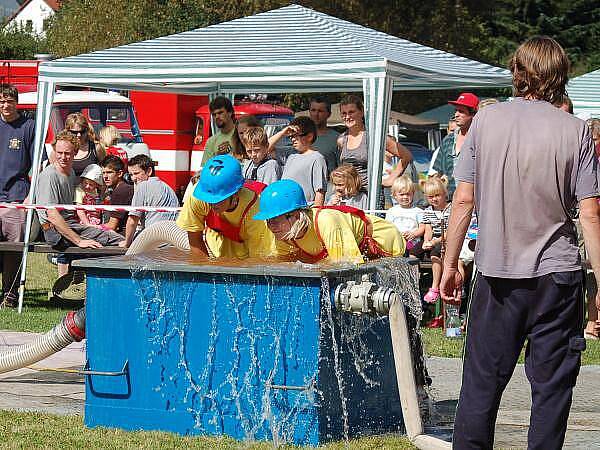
<point x="70" y="329"/>
<point x="163" y="232"/>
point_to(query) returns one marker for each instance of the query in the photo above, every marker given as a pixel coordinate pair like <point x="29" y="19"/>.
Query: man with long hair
<point x="525" y="165"/>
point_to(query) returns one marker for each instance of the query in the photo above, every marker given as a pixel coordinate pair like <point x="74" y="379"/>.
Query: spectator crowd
<point x="331" y="169"/>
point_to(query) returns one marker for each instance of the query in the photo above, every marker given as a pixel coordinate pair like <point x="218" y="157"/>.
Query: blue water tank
<point x="254" y="352"/>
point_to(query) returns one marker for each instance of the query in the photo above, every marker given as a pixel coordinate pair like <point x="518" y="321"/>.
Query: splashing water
<point x="259" y="356"/>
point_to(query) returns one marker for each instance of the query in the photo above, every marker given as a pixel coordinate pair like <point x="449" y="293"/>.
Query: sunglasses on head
<point x="78" y="132"/>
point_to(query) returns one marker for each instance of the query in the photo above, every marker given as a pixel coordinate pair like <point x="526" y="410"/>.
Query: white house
<point x="32" y="14"/>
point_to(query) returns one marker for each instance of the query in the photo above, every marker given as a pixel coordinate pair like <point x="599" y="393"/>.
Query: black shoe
<point x="10" y="300"/>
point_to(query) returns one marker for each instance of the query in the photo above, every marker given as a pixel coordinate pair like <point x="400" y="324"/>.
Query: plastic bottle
<point x="453" y="322"/>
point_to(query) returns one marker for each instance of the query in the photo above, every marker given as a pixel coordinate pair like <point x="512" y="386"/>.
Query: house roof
<point x="290" y="49"/>
<point x="54" y="4"/>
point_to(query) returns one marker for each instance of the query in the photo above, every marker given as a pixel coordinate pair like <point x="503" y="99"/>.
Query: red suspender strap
<point x="224" y="227"/>
<point x="368" y="246"/>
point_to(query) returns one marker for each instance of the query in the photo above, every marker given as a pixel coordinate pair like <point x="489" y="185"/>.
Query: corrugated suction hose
<point x="70" y="329"/>
<point x="163" y="232"/>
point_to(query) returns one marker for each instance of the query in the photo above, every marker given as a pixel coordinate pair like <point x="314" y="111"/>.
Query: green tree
<point x="17" y="43"/>
<point x="81" y="26"/>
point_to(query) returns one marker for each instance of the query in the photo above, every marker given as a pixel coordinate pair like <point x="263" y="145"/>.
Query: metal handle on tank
<point x="86" y="371"/>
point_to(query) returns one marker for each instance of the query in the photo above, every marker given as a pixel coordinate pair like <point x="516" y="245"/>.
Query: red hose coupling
<point x="77" y="333"/>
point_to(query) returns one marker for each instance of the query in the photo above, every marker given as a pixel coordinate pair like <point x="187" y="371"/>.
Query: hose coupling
<point x="74" y="330"/>
<point x="363" y="297"/>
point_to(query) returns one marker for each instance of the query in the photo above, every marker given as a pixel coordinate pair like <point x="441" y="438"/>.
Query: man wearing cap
<point x="218" y="216"/>
<point x="466" y="106"/>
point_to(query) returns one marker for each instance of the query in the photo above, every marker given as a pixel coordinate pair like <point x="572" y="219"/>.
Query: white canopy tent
<point x="291" y="49"/>
<point x="584" y="92"/>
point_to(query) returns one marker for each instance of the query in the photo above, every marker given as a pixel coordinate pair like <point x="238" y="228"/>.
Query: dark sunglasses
<point x="78" y="132"/>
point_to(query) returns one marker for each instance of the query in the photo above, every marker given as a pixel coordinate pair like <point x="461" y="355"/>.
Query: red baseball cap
<point x="466" y="99"/>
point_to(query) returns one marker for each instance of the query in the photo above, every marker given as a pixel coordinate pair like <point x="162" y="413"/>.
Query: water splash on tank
<point x="268" y="378"/>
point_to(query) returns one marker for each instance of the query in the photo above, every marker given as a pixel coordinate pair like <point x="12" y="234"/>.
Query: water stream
<point x="265" y="354"/>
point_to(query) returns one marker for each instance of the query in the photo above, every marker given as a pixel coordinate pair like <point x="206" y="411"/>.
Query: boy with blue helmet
<point x="336" y="233"/>
<point x="218" y="215"/>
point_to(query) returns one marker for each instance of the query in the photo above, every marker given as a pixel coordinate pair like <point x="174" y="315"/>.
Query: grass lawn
<point x="33" y="430"/>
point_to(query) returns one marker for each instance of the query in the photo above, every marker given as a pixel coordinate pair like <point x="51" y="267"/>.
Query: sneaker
<point x="52" y="258"/>
<point x="10" y="300"/>
<point x="432" y="295"/>
<point x="437" y="322"/>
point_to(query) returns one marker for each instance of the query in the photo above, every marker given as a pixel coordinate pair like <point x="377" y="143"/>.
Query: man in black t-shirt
<point x="118" y="192"/>
<point x="16" y="156"/>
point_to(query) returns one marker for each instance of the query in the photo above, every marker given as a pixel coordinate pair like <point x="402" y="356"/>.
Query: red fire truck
<point x="176" y="128"/>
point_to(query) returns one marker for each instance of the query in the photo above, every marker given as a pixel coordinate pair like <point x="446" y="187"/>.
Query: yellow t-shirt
<point x="258" y="241"/>
<point x="341" y="233"/>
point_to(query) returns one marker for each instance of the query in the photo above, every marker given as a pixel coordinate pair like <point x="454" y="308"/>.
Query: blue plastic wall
<point x="207" y="354"/>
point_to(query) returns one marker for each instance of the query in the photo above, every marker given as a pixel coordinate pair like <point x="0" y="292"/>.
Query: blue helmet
<point x="221" y="177"/>
<point x="281" y="197"/>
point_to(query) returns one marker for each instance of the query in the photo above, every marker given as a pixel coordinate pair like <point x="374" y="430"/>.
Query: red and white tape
<point x="114" y="208"/>
<point x="110" y="208"/>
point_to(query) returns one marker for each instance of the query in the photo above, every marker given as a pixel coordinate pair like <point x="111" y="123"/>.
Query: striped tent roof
<point x="584" y="92"/>
<point x="291" y="49"/>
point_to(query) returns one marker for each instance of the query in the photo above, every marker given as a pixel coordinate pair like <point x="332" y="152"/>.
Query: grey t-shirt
<point x="309" y="170"/>
<point x="326" y="144"/>
<point x="154" y="192"/>
<point x="267" y="172"/>
<point x="530" y="163"/>
<point x="55" y="188"/>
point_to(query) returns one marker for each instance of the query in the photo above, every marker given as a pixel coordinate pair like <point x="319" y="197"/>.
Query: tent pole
<point x="378" y="102"/>
<point x="44" y="106"/>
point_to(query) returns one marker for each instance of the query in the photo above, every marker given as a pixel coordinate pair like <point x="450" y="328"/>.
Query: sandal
<point x="432" y="295"/>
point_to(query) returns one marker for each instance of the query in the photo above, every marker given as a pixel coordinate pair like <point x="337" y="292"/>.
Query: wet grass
<point x="37" y="431"/>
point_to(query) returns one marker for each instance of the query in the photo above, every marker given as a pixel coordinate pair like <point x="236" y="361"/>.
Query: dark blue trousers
<point x="548" y="312"/>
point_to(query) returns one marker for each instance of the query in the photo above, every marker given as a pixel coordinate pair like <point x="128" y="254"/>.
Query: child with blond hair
<point x="346" y="184"/>
<point x="260" y="167"/>
<point x="407" y="218"/>
<point x="108" y="137"/>
<point x="435" y="219"/>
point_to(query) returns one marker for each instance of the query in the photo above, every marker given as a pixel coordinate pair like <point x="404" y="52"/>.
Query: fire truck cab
<point x="177" y="126"/>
